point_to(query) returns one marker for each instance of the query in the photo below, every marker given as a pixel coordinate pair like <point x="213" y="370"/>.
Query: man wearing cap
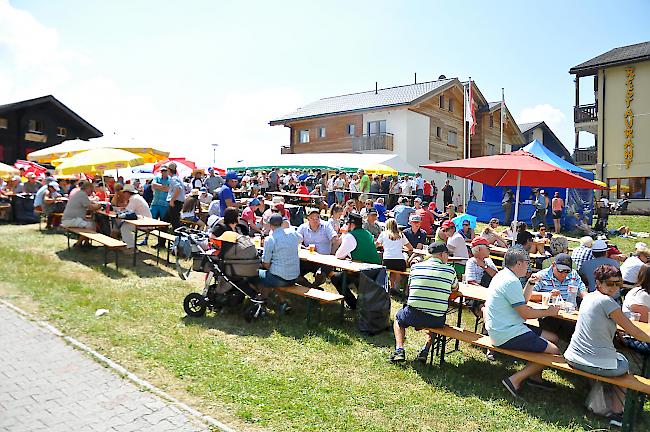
<point x="371" y="225"/>
<point x="320" y="234"/>
<point x="557" y="278"/>
<point x="175" y="197"/>
<point x="480" y="269"/>
<point x="248" y="215"/>
<point x="31" y="186"/>
<point x="212" y="181"/>
<point x="381" y="209"/>
<point x="280" y="260"/>
<point x="414" y="234"/>
<point x="358" y="244"/>
<point x="205" y="197"/>
<point x="430" y="284"/>
<point x="427" y="219"/>
<point x="51" y="199"/>
<point x="583" y="252"/>
<point x="226" y="195"/>
<point x="74" y="215"/>
<point x="455" y="242"/>
<point x="139" y="206"/>
<point x="599" y="250"/>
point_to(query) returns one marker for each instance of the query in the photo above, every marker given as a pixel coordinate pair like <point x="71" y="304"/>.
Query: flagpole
<point x="502" y="117"/>
<point x="514" y="232"/>
<point x="469" y="137"/>
<point x="464" y="141"/>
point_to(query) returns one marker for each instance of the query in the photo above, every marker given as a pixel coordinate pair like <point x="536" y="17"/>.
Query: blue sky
<point x="188" y="74"/>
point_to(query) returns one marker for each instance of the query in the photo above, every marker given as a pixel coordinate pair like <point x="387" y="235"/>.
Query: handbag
<point x="127" y="215"/>
<point x="599" y="399"/>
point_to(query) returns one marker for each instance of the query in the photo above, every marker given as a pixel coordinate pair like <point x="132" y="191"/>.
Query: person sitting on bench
<point x="74" y="215"/>
<point x="430" y="285"/>
<point x="505" y="314"/>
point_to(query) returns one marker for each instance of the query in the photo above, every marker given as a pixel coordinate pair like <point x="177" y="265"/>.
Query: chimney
<point x="416" y="77"/>
<point x="375" y="87"/>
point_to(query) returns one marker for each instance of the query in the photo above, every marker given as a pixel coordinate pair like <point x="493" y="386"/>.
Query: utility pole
<point x="214" y="153"/>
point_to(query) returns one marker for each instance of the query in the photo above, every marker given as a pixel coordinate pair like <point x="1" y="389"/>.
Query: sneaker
<point x="423" y="355"/>
<point x="542" y="385"/>
<point x="511" y="388"/>
<point x="615" y="419"/>
<point x="399" y="356"/>
<point x="489" y="355"/>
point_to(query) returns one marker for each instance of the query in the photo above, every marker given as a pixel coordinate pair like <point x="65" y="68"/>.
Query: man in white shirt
<point x="455" y="242"/>
<point x="630" y="268"/>
<point x="139" y="206"/>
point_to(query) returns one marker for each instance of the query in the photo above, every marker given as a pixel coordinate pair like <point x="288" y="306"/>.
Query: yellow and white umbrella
<point x="97" y="161"/>
<point x="8" y="170"/>
<point x="601" y="183"/>
<point x="67" y="149"/>
<point x="380" y="169"/>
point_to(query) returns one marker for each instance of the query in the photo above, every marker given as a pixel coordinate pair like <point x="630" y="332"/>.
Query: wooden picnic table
<point x="144" y="224"/>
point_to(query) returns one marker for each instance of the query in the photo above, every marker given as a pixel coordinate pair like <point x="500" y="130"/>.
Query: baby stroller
<point x="602" y="216"/>
<point x="230" y="264"/>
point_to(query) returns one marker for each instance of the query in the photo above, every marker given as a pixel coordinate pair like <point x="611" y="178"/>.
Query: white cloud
<point x="554" y="118"/>
<point x="34" y="63"/>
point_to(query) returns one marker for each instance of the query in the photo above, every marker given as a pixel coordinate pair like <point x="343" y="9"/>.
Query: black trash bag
<point x="102" y="224"/>
<point x="23" y="208"/>
<point x="373" y="302"/>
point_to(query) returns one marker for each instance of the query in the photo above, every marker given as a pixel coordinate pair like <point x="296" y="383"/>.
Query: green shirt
<point x="430" y="284"/>
<point x="365" y="250"/>
<point x="364" y="184"/>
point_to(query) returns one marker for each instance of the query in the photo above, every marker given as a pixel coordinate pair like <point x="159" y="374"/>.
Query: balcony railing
<point x="586" y="156"/>
<point x="382" y="141"/>
<point x="285" y="150"/>
<point x="585" y="113"/>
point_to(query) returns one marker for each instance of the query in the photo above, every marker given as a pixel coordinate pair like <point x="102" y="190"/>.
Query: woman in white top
<point x="393" y="242"/>
<point x="638" y="301"/>
<point x="630" y="268"/>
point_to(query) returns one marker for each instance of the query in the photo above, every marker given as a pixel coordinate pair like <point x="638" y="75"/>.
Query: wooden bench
<point x="314" y="297"/>
<point x="104" y="240"/>
<point x="636" y="383"/>
<point x="169" y="241"/>
<point x="42" y="216"/>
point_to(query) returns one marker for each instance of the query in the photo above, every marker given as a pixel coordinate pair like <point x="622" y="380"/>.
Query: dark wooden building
<point x="38" y="123"/>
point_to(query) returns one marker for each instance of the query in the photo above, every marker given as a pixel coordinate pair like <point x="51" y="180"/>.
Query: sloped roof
<point x="617" y="56"/>
<point x="92" y="130"/>
<point x="525" y="127"/>
<point x="386" y="97"/>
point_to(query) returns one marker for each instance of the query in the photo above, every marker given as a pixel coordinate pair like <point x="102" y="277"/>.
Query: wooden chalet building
<point x="422" y="123"/>
<point x="38" y="123"/>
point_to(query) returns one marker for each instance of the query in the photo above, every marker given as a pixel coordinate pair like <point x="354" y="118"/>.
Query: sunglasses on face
<point x="615" y="282"/>
<point x="564" y="271"/>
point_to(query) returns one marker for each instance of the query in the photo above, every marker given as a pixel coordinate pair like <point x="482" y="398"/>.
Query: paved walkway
<point x="47" y="385"/>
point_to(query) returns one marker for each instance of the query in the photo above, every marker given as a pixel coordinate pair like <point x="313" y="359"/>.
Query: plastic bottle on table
<point x="572" y="295"/>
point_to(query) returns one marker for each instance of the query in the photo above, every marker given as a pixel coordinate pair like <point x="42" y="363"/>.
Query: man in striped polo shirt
<point x="430" y="284"/>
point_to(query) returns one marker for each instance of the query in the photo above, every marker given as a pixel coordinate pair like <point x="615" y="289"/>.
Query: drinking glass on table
<point x="312" y="248"/>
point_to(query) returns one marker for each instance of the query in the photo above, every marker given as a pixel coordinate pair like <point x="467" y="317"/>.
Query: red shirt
<point x="249" y="216"/>
<point x="427" y="188"/>
<point x="427" y="220"/>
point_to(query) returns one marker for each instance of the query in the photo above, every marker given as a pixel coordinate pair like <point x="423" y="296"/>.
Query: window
<point x="4" y="123"/>
<point x="452" y="138"/>
<point x="637" y="187"/>
<point x="304" y="136"/>
<point x="438" y="132"/>
<point x="61" y="131"/>
<point x="442" y="101"/>
<point x="377" y="127"/>
<point x="351" y="129"/>
<point x="451" y="176"/>
<point x="322" y="133"/>
<point x="451" y="105"/>
<point x="35" y="126"/>
<point x="491" y="149"/>
<point x="491" y="120"/>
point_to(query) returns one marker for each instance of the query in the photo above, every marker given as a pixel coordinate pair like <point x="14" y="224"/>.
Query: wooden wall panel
<point x="336" y="128"/>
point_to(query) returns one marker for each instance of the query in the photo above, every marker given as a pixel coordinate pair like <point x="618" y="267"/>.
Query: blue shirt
<point x="381" y="212"/>
<point x="225" y="192"/>
<point x="588" y="268"/>
<point x="281" y="251"/>
<point x="40" y="195"/>
<point x="160" y="197"/>
<point x="548" y="282"/>
<point x="175" y="183"/>
<point x="402" y="214"/>
<point x="420" y="236"/>
<point x="502" y="320"/>
<point x="322" y="237"/>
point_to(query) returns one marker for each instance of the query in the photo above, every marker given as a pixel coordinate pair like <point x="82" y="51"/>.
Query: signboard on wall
<point x="36" y="137"/>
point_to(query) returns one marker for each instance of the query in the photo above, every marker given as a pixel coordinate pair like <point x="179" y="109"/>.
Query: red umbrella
<point x="184" y="167"/>
<point x="518" y="168"/>
<point x="30" y="167"/>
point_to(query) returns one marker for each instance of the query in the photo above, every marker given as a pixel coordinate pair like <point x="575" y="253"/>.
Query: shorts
<point x="159" y="211"/>
<point x="557" y="214"/>
<point x="270" y="280"/>
<point x="622" y="367"/>
<point x="78" y="223"/>
<point x="412" y="317"/>
<point x="395" y="264"/>
<point x="530" y="341"/>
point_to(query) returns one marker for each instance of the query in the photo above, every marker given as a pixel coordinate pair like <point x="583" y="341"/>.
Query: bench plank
<point x="632" y="382"/>
<point x="164" y="235"/>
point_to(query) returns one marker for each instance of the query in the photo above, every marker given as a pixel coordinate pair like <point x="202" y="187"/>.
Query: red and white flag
<point x="470" y="109"/>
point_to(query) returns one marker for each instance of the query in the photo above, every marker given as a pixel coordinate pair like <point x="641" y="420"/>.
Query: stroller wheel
<point x="253" y="311"/>
<point x="194" y="305"/>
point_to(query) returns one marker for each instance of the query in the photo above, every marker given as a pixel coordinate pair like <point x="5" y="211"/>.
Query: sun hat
<point x="55" y="185"/>
<point x="599" y="246"/>
<point x="253" y="202"/>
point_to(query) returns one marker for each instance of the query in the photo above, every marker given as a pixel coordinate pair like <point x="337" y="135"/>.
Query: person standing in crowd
<point x="419" y="185"/>
<point x="358" y="244"/>
<point x="599" y="251"/>
<point x="375" y="186"/>
<point x="139" y="206"/>
<point x="393" y="241"/>
<point x="505" y="314"/>
<point x="274" y="180"/>
<point x="385" y="185"/>
<point x="226" y="195"/>
<point x="540" y="208"/>
<point x="557" y="205"/>
<point x="364" y="185"/>
<point x="395" y="191"/>
<point x="430" y="285"/>
<point x="427" y="191"/>
<point x="506" y="205"/>
<point x="592" y="347"/>
<point x="320" y="234"/>
<point x="407" y="186"/>
<point x="583" y="252"/>
<point x="402" y="211"/>
<point x="447" y="193"/>
<point x="175" y="197"/>
<point x="160" y="187"/>
<point x="213" y="181"/>
<point x="340" y="187"/>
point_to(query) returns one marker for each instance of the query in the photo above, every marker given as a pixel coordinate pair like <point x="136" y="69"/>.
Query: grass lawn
<point x="270" y="375"/>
